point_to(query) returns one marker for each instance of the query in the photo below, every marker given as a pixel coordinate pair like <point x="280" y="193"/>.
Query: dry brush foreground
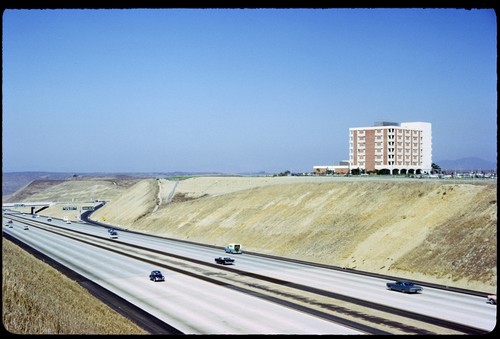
<point x="37" y="299"/>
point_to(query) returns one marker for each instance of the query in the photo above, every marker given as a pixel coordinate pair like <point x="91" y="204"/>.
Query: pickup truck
<point x="224" y="261"/>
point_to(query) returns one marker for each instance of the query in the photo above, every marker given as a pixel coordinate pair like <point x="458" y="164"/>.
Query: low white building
<point x="342" y="168"/>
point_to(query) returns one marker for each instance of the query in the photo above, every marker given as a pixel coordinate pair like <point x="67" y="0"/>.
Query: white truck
<point x="233" y="248"/>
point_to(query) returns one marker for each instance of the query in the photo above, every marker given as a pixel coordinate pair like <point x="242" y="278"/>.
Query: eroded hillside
<point x="436" y="231"/>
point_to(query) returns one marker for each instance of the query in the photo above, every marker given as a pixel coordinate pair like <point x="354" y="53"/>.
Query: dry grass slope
<point x="37" y="299"/>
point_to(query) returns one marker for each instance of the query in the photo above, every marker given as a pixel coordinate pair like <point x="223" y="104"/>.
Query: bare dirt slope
<point x="72" y="192"/>
<point x="437" y="231"/>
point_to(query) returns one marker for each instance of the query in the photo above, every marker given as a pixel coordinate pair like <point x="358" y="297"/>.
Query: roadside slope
<point x="434" y="231"/>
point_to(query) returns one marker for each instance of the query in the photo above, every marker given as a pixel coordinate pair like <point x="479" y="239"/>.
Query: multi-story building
<point x="392" y="148"/>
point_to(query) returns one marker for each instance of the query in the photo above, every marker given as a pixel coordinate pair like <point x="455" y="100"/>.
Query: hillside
<point x="437" y="231"/>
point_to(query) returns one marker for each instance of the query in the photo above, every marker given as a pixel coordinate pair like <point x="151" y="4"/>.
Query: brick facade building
<point x="392" y="148"/>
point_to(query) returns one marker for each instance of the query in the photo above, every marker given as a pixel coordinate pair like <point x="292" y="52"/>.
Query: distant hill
<point x="11" y="182"/>
<point x="467" y="164"/>
<point x="14" y="181"/>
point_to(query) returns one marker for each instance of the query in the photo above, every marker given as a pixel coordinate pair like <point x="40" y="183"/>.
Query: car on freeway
<point x="68" y="221"/>
<point x="404" y="286"/>
<point x="26" y="227"/>
<point x="49" y="219"/>
<point x="224" y="261"/>
<point x="156" y="276"/>
<point x="9" y="223"/>
<point x="113" y="234"/>
<point x="492" y="299"/>
<point x="233" y="249"/>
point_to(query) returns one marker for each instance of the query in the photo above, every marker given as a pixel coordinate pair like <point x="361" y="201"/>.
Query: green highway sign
<point x="88" y="208"/>
<point x="69" y="208"/>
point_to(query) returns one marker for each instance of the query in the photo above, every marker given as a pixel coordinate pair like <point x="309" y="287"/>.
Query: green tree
<point x="284" y="174"/>
<point x="435" y="168"/>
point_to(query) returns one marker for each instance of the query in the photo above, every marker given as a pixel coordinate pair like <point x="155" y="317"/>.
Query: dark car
<point x="156" y="276"/>
<point x="404" y="286"/>
<point x="113" y="234"/>
<point x="492" y="299"/>
<point x="224" y="261"/>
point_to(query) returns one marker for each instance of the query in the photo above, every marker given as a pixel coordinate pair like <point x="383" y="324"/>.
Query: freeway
<point x="189" y="304"/>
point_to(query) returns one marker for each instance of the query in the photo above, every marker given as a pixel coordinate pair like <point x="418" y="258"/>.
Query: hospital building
<point x="391" y="148"/>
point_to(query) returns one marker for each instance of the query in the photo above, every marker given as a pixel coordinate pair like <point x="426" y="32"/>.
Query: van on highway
<point x="233" y="248"/>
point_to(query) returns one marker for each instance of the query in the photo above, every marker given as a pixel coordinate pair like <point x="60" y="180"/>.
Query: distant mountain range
<point x="467" y="164"/>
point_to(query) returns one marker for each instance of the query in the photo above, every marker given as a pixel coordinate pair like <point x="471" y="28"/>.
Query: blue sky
<point x="239" y="90"/>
